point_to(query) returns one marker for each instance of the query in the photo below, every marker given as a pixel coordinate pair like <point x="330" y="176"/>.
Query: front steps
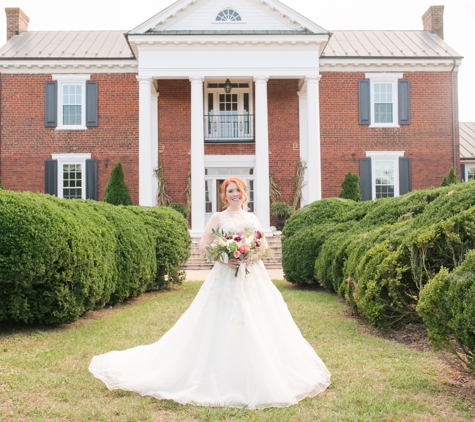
<point x="273" y="261"/>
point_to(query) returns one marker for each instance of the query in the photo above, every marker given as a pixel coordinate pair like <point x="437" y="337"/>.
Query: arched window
<point x="228" y="15"/>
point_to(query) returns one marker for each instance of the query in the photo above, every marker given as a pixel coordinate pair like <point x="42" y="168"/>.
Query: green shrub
<point x="351" y="187"/>
<point x="56" y="260"/>
<point x="172" y="242"/>
<point x="447" y="306"/>
<point x="181" y="208"/>
<point x="117" y="192"/>
<point x="134" y="251"/>
<point x="1" y="184"/>
<point x="280" y="209"/>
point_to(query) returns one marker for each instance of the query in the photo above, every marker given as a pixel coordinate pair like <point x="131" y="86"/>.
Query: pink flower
<point x="237" y="254"/>
<point x="244" y="248"/>
<point x="258" y="234"/>
<point x="258" y="244"/>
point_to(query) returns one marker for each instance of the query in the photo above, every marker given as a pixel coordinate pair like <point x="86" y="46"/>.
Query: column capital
<point x="313" y="78"/>
<point x="196" y="79"/>
<point x="144" y="79"/>
<point x="261" y="79"/>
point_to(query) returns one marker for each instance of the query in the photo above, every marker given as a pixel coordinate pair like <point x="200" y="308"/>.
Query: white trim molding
<point x="71" y="158"/>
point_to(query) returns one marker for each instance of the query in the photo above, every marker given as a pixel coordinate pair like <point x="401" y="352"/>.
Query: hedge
<point x="60" y="258"/>
<point x="380" y="254"/>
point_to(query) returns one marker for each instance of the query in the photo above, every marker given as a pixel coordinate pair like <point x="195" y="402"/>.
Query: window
<point x="384" y="100"/>
<point x="468" y="172"/>
<point x="384" y="174"/>
<point x="71" y="102"/>
<point x="471" y="173"/>
<point x="228" y="15"/>
<point x="71" y="176"/>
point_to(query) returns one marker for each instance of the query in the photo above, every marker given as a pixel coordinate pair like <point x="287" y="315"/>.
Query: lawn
<point x="44" y="376"/>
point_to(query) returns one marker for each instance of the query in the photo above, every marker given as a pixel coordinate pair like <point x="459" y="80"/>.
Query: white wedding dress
<point x="236" y="346"/>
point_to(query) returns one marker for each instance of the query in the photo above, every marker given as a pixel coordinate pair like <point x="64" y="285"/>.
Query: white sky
<point x="459" y="22"/>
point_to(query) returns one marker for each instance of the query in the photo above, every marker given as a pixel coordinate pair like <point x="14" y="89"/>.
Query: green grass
<point x="44" y="376"/>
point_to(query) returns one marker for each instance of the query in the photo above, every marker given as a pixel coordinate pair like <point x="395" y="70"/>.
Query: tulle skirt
<point x="236" y="346"/>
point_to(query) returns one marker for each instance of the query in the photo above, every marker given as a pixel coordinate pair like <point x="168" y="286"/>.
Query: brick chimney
<point x="17" y="21"/>
<point x="433" y="20"/>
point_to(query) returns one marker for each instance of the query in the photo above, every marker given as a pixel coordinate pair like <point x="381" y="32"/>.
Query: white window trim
<point x="71" y="79"/>
<point x="468" y="166"/>
<point x="63" y="159"/>
<point x="385" y="156"/>
<point x="391" y="78"/>
<point x="216" y="13"/>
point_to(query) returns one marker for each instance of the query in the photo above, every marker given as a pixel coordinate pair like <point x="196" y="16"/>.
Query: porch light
<point x="227" y="86"/>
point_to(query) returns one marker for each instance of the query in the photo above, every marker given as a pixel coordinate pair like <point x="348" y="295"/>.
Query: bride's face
<point x="233" y="194"/>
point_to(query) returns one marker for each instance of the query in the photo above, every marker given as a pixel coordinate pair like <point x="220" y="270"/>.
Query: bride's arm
<point x="207" y="237"/>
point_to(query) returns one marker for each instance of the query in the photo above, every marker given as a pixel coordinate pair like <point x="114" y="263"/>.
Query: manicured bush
<point x="351" y="187"/>
<point x="134" y="251"/>
<point x="117" y="192"/>
<point x="172" y="242"/>
<point x="181" y="208"/>
<point x="447" y="305"/>
<point x="60" y="258"/>
<point x="1" y="184"/>
<point x="56" y="261"/>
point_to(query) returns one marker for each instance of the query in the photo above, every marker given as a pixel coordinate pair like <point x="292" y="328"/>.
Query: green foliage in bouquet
<point x="351" y="187"/>
<point x="117" y="192"/>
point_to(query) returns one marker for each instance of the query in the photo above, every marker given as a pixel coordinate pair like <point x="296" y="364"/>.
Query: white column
<point x="145" y="142"/>
<point x="314" y="170"/>
<point x="303" y="144"/>
<point x="197" y="158"/>
<point x="261" y="171"/>
<point x="154" y="155"/>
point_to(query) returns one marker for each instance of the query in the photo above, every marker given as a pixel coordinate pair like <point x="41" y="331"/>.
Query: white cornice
<point x="387" y="64"/>
<point x="68" y="66"/>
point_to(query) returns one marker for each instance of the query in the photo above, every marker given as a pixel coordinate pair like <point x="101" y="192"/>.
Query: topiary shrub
<point x="56" y="260"/>
<point x="181" y="208"/>
<point x="1" y="184"/>
<point x="447" y="306"/>
<point x="117" y="192"/>
<point x="134" y="251"/>
<point x="172" y="243"/>
<point x="351" y="187"/>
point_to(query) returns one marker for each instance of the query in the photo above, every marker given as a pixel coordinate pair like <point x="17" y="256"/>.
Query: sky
<point x="459" y="22"/>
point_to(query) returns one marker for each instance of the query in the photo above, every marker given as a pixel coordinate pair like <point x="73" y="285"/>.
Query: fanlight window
<point x="228" y="15"/>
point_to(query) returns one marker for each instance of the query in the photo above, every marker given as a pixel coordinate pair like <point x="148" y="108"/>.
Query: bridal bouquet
<point x="245" y="245"/>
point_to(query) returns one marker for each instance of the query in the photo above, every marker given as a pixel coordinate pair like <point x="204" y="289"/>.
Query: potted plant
<point x="280" y="210"/>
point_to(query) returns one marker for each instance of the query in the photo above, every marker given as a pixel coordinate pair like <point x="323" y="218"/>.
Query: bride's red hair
<point x="241" y="186"/>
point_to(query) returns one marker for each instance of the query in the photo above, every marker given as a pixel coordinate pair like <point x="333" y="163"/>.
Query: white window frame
<point x="468" y="166"/>
<point x="384" y="156"/>
<point x="218" y="11"/>
<point x="388" y="78"/>
<point x="71" y="79"/>
<point x="63" y="159"/>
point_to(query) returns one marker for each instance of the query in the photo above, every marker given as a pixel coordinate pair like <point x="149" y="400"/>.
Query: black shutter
<point x="91" y="179"/>
<point x="404" y="102"/>
<point x="51" y="104"/>
<point x="405" y="184"/>
<point x="364" y="102"/>
<point x="462" y="172"/>
<point x="365" y="179"/>
<point x="91" y="104"/>
<point x="51" y="177"/>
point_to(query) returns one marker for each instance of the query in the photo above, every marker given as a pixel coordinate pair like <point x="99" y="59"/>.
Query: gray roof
<point x="113" y="44"/>
<point x="396" y="44"/>
<point x="467" y="140"/>
<point x="67" y="45"/>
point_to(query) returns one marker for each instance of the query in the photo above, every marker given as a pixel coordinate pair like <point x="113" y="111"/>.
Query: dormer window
<point x="228" y="15"/>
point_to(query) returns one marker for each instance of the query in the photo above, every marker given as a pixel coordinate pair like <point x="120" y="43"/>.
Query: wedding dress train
<point x="236" y="346"/>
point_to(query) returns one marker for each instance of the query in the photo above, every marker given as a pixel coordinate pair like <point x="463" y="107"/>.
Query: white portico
<point x="243" y="43"/>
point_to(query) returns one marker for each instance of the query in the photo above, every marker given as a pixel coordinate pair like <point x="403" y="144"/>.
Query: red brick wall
<point x="427" y="140"/>
<point x="27" y="143"/>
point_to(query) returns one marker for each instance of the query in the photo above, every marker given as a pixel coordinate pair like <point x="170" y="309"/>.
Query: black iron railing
<point x="227" y="127"/>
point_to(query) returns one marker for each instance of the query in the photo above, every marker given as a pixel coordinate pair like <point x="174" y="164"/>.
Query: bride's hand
<point x="234" y="263"/>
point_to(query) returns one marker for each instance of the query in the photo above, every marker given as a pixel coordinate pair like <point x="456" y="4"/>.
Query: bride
<point x="236" y="345"/>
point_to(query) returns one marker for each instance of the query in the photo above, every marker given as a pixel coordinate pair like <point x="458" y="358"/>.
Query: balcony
<point x="229" y="128"/>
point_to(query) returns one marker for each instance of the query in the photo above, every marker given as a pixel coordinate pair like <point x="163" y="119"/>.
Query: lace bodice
<point x="237" y="221"/>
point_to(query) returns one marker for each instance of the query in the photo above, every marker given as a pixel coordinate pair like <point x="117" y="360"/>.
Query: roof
<point x="467" y="140"/>
<point x="67" y="45"/>
<point x="113" y="44"/>
<point x="400" y="44"/>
